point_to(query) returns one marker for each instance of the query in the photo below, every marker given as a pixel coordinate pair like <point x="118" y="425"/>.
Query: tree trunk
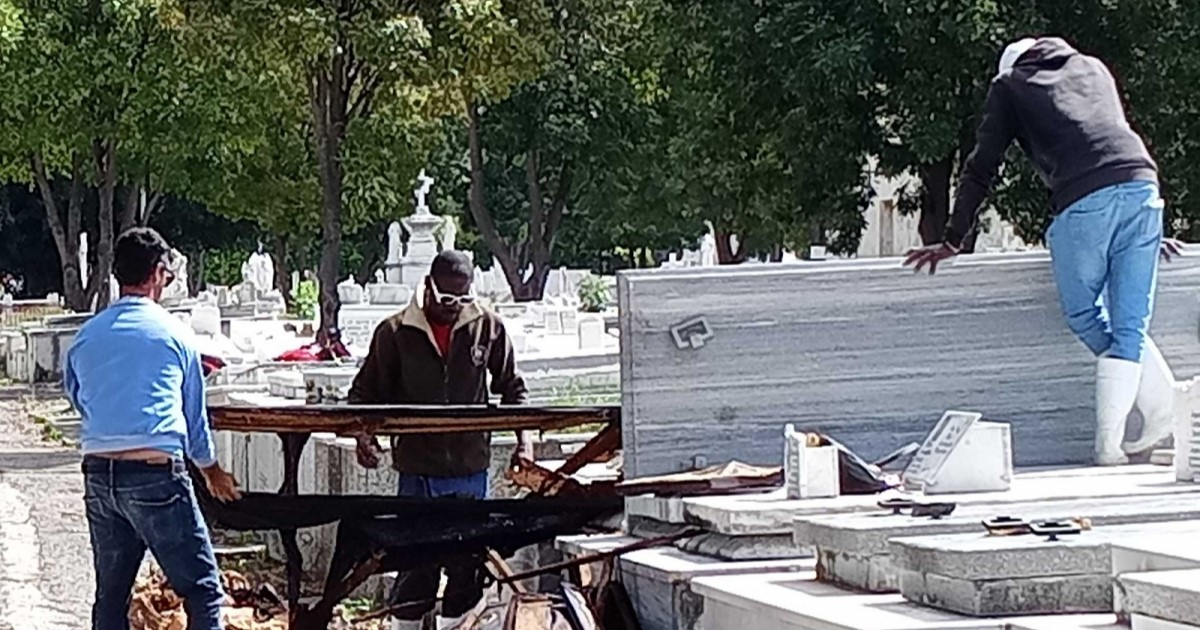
<point x="329" y="102"/>
<point x="935" y="199"/>
<point x="479" y="212"/>
<point x="776" y="253"/>
<point x="139" y="206"/>
<point x="283" y="273"/>
<point x="66" y="238"/>
<point x="105" y="152"/>
<point x="725" y="253"/>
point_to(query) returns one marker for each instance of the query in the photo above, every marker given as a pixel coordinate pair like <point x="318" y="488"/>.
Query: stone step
<point x="797" y="601"/>
<point x="1172" y="596"/>
<point x="853" y="550"/>
<point x="772" y="513"/>
<point x="981" y="575"/>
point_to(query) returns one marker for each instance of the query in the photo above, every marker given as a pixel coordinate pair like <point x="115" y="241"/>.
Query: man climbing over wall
<point x="439" y="352"/>
<point x="1064" y="109"/>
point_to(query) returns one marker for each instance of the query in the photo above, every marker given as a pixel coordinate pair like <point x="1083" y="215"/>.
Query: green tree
<point x="111" y="114"/>
<point x="768" y="128"/>
<point x="371" y="67"/>
<point x="561" y="156"/>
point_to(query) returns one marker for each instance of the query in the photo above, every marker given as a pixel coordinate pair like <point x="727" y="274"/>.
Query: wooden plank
<point x="402" y="419"/>
<point x="868" y="352"/>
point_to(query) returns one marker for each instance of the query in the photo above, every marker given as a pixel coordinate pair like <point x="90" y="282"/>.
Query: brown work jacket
<point x="404" y="366"/>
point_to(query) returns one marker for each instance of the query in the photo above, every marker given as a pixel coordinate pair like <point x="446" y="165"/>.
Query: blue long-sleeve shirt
<point x="135" y="377"/>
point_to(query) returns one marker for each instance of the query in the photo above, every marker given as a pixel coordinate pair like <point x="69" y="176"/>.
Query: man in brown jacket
<point x="440" y="351"/>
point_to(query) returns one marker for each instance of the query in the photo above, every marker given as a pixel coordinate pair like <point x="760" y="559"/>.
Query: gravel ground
<point x="46" y="578"/>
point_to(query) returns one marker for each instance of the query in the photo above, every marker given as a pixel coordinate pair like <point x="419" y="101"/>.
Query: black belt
<point x="94" y="464"/>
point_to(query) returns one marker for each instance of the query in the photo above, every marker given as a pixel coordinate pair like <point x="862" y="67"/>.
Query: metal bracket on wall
<point x="692" y="333"/>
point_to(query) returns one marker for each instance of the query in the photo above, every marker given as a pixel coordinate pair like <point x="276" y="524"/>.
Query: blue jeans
<point x="464" y="582"/>
<point x="1104" y="252"/>
<point x="135" y="506"/>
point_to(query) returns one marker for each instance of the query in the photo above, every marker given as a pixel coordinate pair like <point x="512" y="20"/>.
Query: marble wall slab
<point x="866" y="351"/>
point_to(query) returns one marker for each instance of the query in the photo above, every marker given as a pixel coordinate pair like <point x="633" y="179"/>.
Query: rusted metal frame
<point x="293" y="448"/>
<point x="603" y="443"/>
<point x="405" y="419"/>
<point x="510" y="578"/>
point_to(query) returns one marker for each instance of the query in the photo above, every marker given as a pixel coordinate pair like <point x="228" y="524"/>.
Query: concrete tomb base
<point x="1170" y="596"/>
<point x="853" y="549"/>
<point x="772" y="513"/>
<point x="799" y="602"/>
<point x="659" y="580"/>
<point x="981" y="575"/>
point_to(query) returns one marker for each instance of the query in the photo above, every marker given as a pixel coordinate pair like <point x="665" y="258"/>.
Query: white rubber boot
<point x="407" y="624"/>
<point x="1156" y="401"/>
<point x="1116" y="390"/>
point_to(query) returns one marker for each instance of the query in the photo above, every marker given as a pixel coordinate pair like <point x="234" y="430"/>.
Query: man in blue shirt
<point x="136" y="378"/>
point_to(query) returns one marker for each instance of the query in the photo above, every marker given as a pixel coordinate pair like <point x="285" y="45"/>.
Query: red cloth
<point x="210" y="364"/>
<point x="314" y="352"/>
<point x="441" y="334"/>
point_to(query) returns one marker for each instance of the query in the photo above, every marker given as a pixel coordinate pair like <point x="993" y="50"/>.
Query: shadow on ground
<point x="13" y="461"/>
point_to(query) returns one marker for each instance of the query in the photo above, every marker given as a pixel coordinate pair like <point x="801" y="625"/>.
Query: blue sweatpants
<point x="1104" y="250"/>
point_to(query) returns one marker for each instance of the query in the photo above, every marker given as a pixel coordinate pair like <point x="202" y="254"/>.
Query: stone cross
<point x="422" y="190"/>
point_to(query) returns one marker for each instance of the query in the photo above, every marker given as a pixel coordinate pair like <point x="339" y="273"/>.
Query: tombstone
<point x="349" y="292"/>
<point x="591" y="333"/>
<point x="422" y="247"/>
<point x="809" y="472"/>
<point x="206" y="320"/>
<point x="273" y="302"/>
<point x="449" y="233"/>
<point x="246" y="293"/>
<point x="552" y="320"/>
<point x="262" y="270"/>
<point x="570" y="320"/>
<point x="177" y="291"/>
<point x="83" y="257"/>
<point x="962" y="454"/>
<point x="389" y="294"/>
<point x="516" y="334"/>
<point x="708" y="249"/>
<point x="555" y="285"/>
<point x="395" y="252"/>
<point x="222" y="293"/>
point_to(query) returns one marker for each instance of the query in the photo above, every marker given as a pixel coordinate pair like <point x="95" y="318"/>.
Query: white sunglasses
<point x="450" y="299"/>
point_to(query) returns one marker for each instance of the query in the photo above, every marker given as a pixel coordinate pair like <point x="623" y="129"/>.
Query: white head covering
<point x="1013" y="51"/>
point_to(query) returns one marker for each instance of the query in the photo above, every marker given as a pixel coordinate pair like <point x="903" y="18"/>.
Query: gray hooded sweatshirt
<point x="1063" y="108"/>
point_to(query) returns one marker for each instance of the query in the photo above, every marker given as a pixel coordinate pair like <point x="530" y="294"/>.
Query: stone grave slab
<point x="773" y="513"/>
<point x="1157" y="553"/>
<point x="703" y="356"/>
<point x="854" y="550"/>
<point x="721" y="546"/>
<point x="797" y="601"/>
<point x="1142" y="622"/>
<point x="1172" y="596"/>
<point x="659" y="580"/>
<point x="985" y="576"/>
